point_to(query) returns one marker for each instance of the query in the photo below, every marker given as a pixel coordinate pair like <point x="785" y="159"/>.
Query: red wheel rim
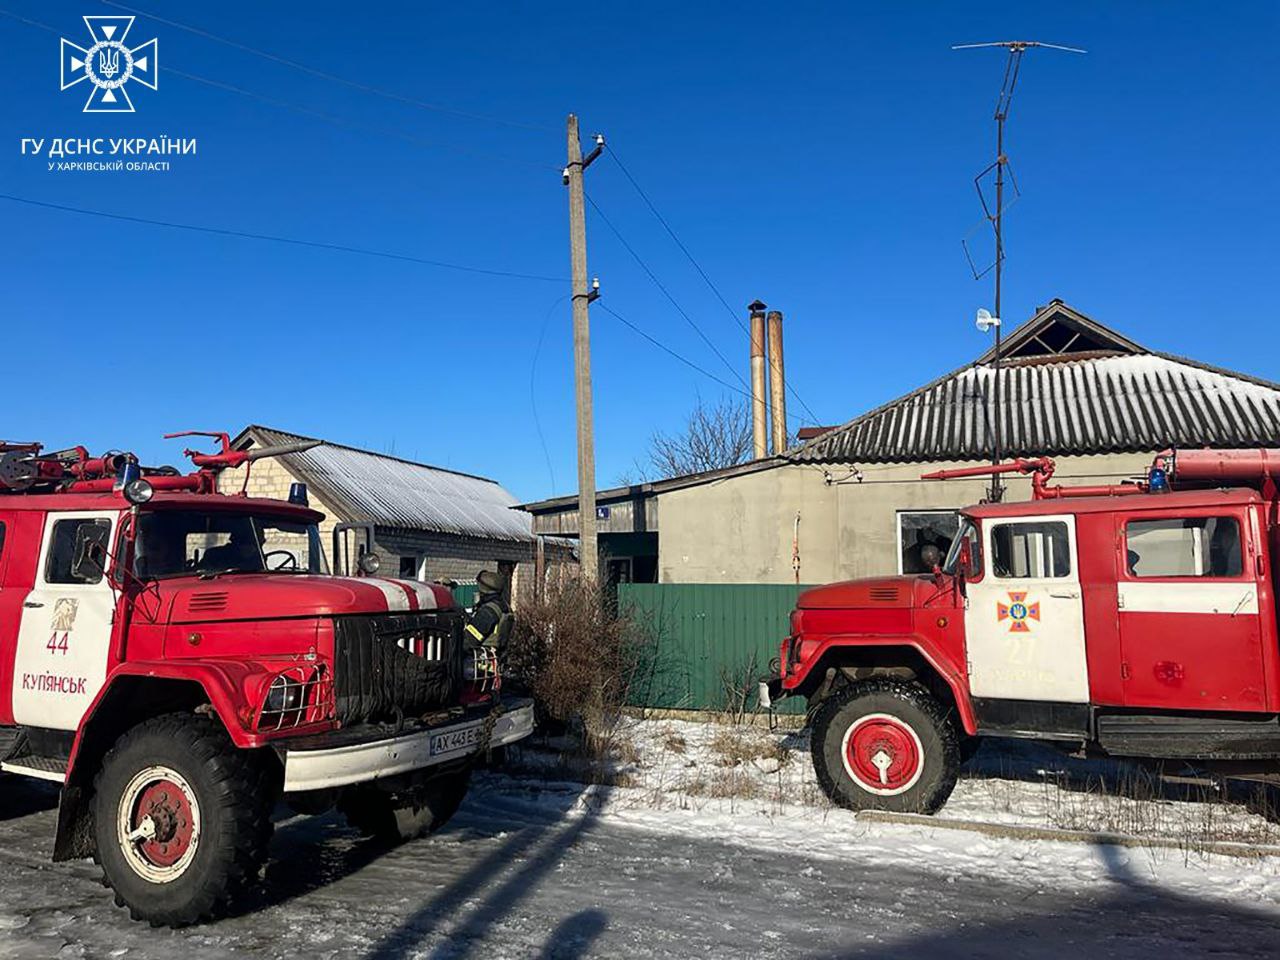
<point x="882" y="754"/>
<point x="167" y="805"/>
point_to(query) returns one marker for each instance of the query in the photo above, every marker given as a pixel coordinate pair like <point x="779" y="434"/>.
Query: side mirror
<point x="930" y="556"/>
<point x="90" y="558"/>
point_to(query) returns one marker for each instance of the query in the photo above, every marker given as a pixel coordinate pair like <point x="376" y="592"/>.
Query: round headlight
<point x="138" y="491"/>
<point x="370" y="563"/>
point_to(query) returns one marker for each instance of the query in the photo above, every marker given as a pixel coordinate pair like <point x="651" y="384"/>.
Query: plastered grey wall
<point x="740" y="529"/>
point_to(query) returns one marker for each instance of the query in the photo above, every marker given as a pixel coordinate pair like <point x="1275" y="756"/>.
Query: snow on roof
<point x="363" y="486"/>
<point x="1106" y="395"/>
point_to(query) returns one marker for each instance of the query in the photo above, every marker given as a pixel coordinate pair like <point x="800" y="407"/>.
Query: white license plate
<point x="453" y="740"/>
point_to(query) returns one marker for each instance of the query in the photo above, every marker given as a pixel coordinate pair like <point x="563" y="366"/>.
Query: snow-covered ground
<point x="739" y="769"/>
<point x="677" y="858"/>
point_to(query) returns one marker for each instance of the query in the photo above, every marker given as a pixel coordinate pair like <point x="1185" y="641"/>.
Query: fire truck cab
<point x="1137" y="620"/>
<point x="179" y="660"/>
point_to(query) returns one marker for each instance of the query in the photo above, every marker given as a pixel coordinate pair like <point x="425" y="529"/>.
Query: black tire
<point x="397" y="817"/>
<point x="231" y="793"/>
<point x="885" y="744"/>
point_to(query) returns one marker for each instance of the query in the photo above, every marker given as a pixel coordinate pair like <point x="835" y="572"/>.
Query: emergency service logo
<point x="109" y="65"/>
<point x="1018" y="612"/>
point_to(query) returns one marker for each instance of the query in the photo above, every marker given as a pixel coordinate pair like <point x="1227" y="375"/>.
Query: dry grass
<point x="734" y="746"/>
<point x="1137" y="802"/>
<point x="725" y="785"/>
<point x="673" y="741"/>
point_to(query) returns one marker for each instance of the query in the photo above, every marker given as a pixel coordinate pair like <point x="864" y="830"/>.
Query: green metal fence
<point x="711" y="641"/>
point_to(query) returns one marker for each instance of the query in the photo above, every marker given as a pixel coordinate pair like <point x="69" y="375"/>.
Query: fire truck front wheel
<point x="182" y="819"/>
<point x="885" y="744"/>
<point x="397" y="817"/>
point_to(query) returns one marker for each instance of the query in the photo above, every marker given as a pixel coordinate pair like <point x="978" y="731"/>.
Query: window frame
<point x="1243" y="542"/>
<point x="50" y="539"/>
<point x="1072" y="574"/>
<point x="930" y="511"/>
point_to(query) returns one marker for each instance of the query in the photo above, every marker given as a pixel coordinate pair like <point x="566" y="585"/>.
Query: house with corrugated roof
<point x="428" y="522"/>
<point x="849" y="501"/>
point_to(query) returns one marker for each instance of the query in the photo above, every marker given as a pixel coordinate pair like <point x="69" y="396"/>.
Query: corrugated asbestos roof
<point x="370" y="487"/>
<point x="1124" y="399"/>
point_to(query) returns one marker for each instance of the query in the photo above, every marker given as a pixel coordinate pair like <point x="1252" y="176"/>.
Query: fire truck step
<point x="42" y="768"/>
<point x="1190" y="736"/>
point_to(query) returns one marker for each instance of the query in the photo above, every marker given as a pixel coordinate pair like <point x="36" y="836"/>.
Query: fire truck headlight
<point x="283" y="696"/>
<point x="369" y="564"/>
<point x="138" y="491"/>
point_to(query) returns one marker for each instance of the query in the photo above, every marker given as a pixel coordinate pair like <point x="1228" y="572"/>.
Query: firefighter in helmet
<point x="491" y="620"/>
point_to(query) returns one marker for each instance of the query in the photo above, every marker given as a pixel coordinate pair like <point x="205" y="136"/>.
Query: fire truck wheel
<point x="885" y="745"/>
<point x="182" y="819"/>
<point x="397" y="817"/>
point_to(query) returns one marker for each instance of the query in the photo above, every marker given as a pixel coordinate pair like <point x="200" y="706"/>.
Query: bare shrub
<point x="578" y="659"/>
<point x="738" y="686"/>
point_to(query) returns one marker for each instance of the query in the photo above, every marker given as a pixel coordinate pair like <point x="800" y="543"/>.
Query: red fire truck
<point x="1136" y="620"/>
<point x="179" y="659"/>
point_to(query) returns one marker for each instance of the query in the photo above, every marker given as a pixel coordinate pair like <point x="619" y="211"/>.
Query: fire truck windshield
<point x="175" y="543"/>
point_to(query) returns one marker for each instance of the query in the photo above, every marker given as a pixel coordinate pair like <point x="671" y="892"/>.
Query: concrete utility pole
<point x="582" y="297"/>
<point x="759" y="414"/>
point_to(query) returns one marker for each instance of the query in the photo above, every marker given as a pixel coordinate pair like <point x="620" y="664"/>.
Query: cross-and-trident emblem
<point x="109" y="64"/>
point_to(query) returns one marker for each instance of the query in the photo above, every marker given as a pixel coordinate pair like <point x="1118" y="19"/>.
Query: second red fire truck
<point x="1136" y="620"/>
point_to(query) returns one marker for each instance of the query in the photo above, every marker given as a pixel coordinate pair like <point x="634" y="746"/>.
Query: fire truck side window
<point x="67" y="537"/>
<point x="1184" y="547"/>
<point x="1031" y="550"/>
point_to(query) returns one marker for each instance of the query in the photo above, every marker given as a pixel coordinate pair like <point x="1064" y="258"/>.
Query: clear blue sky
<point x="816" y="156"/>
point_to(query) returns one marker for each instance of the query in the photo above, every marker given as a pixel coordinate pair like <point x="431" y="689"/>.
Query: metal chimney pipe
<point x="759" y="435"/>
<point x="777" y="383"/>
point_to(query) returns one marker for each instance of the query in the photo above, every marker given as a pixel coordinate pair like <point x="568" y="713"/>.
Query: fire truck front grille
<point x="394" y="665"/>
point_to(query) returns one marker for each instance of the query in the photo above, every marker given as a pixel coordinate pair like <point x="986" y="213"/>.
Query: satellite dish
<point x="985" y="320"/>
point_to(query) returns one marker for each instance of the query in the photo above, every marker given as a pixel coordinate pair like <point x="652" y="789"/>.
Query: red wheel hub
<point x="167" y="805"/>
<point x="883" y="754"/>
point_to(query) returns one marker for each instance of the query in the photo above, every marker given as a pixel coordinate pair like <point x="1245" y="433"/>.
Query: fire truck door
<point x="1024" y="623"/>
<point x="65" y="635"/>
<point x="1190" y="633"/>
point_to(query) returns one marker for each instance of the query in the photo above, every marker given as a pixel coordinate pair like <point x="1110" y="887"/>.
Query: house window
<point x="1031" y="551"/>
<point x="1183" y="547"/>
<point x="408" y="568"/>
<point x="919" y="529"/>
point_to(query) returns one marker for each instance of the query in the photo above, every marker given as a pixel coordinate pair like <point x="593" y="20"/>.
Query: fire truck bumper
<point x="320" y="767"/>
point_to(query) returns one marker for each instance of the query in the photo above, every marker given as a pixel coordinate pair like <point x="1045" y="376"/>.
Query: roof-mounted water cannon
<point x="227" y="457"/>
<point x="1040" y="469"/>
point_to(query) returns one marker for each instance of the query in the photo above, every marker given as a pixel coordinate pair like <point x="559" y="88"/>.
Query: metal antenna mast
<point x="1013" y="64"/>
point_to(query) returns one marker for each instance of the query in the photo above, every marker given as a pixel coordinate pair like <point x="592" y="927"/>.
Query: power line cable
<point x="355" y="125"/>
<point x="294" y="241"/>
<point x="665" y="292"/>
<point x="698" y="267"/>
<point x="674" y="354"/>
<point x="324" y="74"/>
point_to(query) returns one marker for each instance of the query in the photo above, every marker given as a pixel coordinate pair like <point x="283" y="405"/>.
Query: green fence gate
<point x="711" y="641"/>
